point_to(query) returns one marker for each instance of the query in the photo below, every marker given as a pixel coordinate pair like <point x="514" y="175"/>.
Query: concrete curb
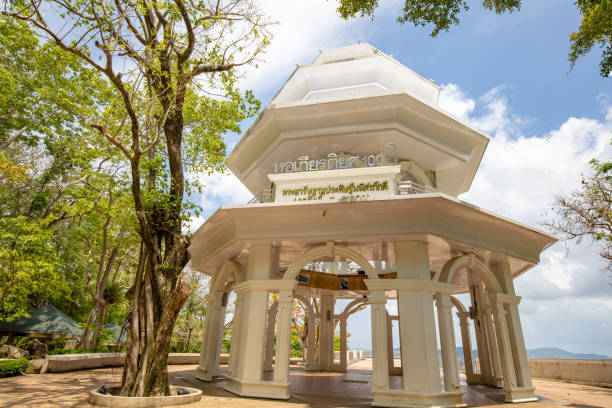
<point x="73" y="362"/>
<point x="108" y="400"/>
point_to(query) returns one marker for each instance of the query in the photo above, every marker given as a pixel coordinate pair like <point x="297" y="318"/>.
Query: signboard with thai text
<point x="337" y="185"/>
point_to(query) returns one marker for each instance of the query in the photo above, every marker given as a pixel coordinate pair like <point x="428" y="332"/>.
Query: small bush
<point x="9" y="368"/>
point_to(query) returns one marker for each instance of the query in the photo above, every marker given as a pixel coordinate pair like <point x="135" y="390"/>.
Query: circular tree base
<point x="110" y="400"/>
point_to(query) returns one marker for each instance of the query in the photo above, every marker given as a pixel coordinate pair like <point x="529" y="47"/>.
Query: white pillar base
<point x="257" y="389"/>
<point x="203" y="375"/>
<point x="523" y="394"/>
<point x="313" y="367"/>
<point x="338" y="368"/>
<point x="400" y="398"/>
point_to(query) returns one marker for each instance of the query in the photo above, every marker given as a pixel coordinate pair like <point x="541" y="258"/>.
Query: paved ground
<point x="308" y="389"/>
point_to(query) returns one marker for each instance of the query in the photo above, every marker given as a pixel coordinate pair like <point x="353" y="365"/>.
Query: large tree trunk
<point x="99" y="307"/>
<point x="188" y="340"/>
<point x="157" y="299"/>
<point x="95" y="338"/>
<point x="85" y="340"/>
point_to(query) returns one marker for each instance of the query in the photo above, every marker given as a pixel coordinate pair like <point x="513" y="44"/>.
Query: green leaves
<point x="45" y="91"/>
<point x="351" y="8"/>
<point x="171" y="65"/>
<point x="59" y="181"/>
<point x="595" y="30"/>
<point x="9" y="368"/>
<point x="442" y="14"/>
<point x="28" y="264"/>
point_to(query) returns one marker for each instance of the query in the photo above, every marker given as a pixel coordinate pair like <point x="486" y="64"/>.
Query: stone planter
<point x="109" y="400"/>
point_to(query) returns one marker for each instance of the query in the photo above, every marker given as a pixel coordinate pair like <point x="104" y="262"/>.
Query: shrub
<point x="9" y="368"/>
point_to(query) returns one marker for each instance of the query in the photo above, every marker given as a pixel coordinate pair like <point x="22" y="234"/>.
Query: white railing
<point x="264" y="196"/>
<point x="410" y="188"/>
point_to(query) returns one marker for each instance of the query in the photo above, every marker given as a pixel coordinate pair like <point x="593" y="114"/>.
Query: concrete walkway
<point x="308" y="389"/>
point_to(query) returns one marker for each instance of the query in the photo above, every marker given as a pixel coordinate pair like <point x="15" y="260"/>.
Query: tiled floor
<point x="308" y="389"/>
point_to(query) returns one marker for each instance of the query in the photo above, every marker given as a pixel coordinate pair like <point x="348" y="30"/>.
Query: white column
<point x="466" y="342"/>
<point x="211" y="339"/>
<point x="217" y="337"/>
<point x="494" y="353"/>
<point x="283" y="339"/>
<point x="247" y="376"/>
<point x="343" y="347"/>
<point x="390" y="343"/>
<point x="418" y="342"/>
<point x="447" y="343"/>
<point x="202" y="371"/>
<point x="326" y="332"/>
<point x="505" y="351"/>
<point x="503" y="274"/>
<point x="250" y="364"/>
<point x="380" y="362"/>
<point x="254" y="293"/>
<point x="259" y="265"/>
<point x="486" y="369"/>
<point x="524" y="389"/>
<point x="310" y="341"/>
<point x="234" y="345"/>
<point x="517" y="342"/>
<point x="272" y="313"/>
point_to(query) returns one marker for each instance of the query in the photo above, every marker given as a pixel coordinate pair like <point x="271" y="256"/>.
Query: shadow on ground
<point x="307" y="389"/>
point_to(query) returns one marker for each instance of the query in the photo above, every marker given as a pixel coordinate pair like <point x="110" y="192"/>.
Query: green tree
<point x="27" y="264"/>
<point x="173" y="66"/>
<point x="595" y="29"/>
<point x="297" y="348"/>
<point x="105" y="228"/>
<point x="337" y="340"/>
<point x="187" y="335"/>
<point x="44" y="90"/>
<point x="45" y="154"/>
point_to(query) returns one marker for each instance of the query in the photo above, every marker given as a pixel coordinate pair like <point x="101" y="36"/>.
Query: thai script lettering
<point x="341" y="191"/>
<point x="332" y="162"/>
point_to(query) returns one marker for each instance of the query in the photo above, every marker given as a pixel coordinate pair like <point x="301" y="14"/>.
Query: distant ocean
<point x="545" y="352"/>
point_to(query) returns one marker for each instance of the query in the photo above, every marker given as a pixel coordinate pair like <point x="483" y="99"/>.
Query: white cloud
<point x="567" y="298"/>
<point x="221" y="189"/>
<point x="520" y="175"/>
<point x="302" y="29"/>
<point x="456" y="101"/>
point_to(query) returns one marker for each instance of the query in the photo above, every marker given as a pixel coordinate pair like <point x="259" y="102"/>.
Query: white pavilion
<point x="355" y="173"/>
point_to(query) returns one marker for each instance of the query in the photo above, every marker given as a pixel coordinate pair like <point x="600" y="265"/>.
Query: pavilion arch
<point x="417" y="171"/>
<point x="349" y="309"/>
<point x="231" y="271"/>
<point x="330" y="250"/>
<point x="457" y="303"/>
<point x="309" y="309"/>
<point x="271" y="322"/>
<point x="305" y="302"/>
<point x="472" y="262"/>
<point x="229" y="274"/>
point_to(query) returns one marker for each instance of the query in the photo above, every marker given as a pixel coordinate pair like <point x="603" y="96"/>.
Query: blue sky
<point x="507" y="76"/>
